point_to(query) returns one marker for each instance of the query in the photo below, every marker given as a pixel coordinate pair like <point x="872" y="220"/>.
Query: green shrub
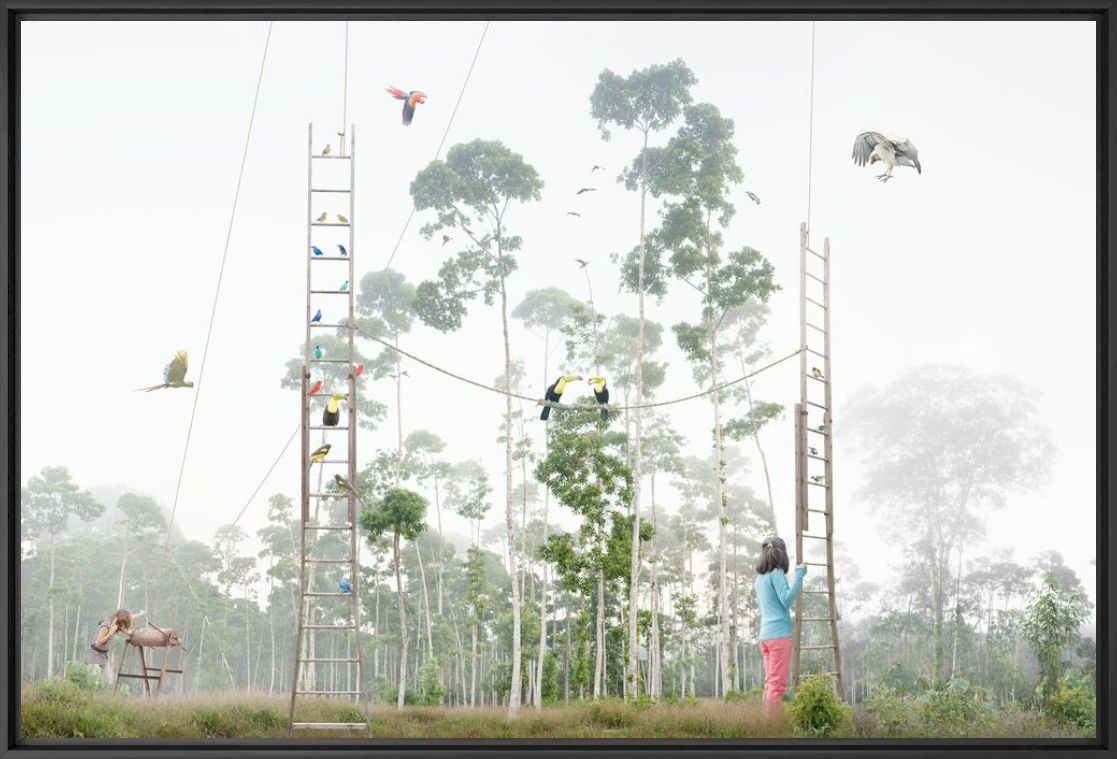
<point x="430" y="683"/>
<point x="1072" y="702"/>
<point x="611" y="714"/>
<point x="956" y="709"/>
<point x="82" y="674"/>
<point x="815" y="708"/>
<point x="752" y="694"/>
<point x="58" y="691"/>
<point x="895" y="716"/>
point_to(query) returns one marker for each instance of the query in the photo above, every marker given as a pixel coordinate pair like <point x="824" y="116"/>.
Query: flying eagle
<point x="870" y="147"/>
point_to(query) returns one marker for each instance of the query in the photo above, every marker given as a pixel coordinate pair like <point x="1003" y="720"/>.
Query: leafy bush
<point x="956" y="709"/>
<point x="752" y="694"/>
<point x="430" y="683"/>
<point x="84" y="675"/>
<point x="1072" y="702"/>
<point x="895" y="716"/>
<point x="58" y="691"/>
<point x="815" y="708"/>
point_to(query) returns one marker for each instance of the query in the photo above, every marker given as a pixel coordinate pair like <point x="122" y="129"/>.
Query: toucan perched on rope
<point x="601" y="393"/>
<point x="554" y="392"/>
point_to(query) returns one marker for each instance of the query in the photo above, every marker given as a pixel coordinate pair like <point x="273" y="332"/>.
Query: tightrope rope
<point x="217" y="292"/>
<point x="586" y="406"/>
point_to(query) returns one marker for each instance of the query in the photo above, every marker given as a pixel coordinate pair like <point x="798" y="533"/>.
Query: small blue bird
<point x="317" y="250"/>
<point x="345" y="586"/>
<point x="317" y="317"/>
<point x="341" y="247"/>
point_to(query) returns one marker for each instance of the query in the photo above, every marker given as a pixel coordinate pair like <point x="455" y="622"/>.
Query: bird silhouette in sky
<point x="586" y="189"/>
<point x="574" y="213"/>
<point x="582" y="263"/>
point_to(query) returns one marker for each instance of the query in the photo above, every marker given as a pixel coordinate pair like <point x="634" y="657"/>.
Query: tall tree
<point x="142" y="520"/>
<point x="646" y="100"/>
<point x="399" y="514"/>
<point x="597" y="486"/>
<point x="47" y="503"/>
<point x="698" y="169"/>
<point x="420" y="449"/>
<point x="939" y="443"/>
<point x="472" y="191"/>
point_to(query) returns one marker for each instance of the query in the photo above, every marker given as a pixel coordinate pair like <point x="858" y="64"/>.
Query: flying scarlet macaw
<point x="410" y="100"/>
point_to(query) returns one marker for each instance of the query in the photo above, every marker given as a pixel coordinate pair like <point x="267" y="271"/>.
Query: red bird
<point x="410" y="100"/>
<point x="360" y="368"/>
<point x="315" y="387"/>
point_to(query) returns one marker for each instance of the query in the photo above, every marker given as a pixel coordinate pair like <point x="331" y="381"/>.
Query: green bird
<point x="318" y="353"/>
<point x="174" y="374"/>
<point x="816" y="373"/>
<point x="344" y="286"/>
<point x="816" y="478"/>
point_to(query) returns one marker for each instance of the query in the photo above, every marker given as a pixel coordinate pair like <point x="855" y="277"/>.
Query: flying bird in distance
<point x="752" y="197"/>
<point x="586" y="189"/>
<point x="870" y="147"/>
<point x="446" y="239"/>
<point x="410" y="100"/>
<point x="574" y="213"/>
<point x="595" y="168"/>
<point x="174" y="374"/>
<point x="582" y="263"/>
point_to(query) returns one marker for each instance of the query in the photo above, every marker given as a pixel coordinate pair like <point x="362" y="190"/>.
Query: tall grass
<point x="58" y="709"/>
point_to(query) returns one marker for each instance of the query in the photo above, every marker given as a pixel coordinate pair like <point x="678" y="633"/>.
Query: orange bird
<point x="410" y="100"/>
<point x="315" y="387"/>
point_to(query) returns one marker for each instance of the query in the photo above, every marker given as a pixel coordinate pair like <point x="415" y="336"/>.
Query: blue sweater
<point x="775" y="597"/>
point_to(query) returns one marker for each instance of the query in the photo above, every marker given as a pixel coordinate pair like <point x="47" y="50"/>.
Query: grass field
<point x="57" y="709"/>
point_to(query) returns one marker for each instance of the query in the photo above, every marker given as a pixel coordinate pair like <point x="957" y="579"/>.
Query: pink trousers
<point x="777" y="656"/>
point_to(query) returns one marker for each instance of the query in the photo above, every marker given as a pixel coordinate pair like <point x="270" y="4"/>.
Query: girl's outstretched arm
<point x="788" y="593"/>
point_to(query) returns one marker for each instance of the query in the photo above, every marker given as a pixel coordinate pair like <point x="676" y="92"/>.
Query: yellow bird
<point x="320" y="453"/>
<point x="554" y="392"/>
<point x="342" y="219"/>
<point x="332" y="413"/>
<point x="601" y="393"/>
<point x="321" y="218"/>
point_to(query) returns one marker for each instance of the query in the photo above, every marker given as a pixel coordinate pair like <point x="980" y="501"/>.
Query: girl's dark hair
<point x="773" y="553"/>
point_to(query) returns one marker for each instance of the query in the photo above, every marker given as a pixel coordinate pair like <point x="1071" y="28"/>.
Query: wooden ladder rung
<point x="329" y="725"/>
<point x="816" y="648"/>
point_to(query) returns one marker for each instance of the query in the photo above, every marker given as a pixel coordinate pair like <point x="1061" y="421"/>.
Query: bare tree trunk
<point x="655" y="674"/>
<point x="510" y="516"/>
<point x="50" y="613"/>
<point x="634" y="569"/>
<point x="760" y="450"/>
<point x="438" y="564"/>
<point x="473" y="668"/>
<point x="599" y="627"/>
<point x="399" y="414"/>
<point x="404" y="637"/>
<point x="538" y="703"/>
<point x="426" y="601"/>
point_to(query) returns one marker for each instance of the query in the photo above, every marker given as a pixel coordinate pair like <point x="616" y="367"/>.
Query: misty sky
<point x="132" y="134"/>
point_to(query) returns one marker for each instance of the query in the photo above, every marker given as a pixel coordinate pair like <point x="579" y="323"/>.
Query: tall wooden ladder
<point x="816" y="610"/>
<point x="318" y="676"/>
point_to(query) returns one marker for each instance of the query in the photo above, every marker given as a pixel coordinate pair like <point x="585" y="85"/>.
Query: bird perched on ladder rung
<point x="317" y="317"/>
<point x="344" y="286"/>
<point x="320" y="453"/>
<point x="333" y="411"/>
<point x="554" y="392"/>
<point x="870" y="147"/>
<point x="316" y="250"/>
<point x="817" y="478"/>
<point x="601" y="394"/>
<point x="318" y="353"/>
<point x="814" y="451"/>
<point x="315" y="387"/>
<point x="342" y="219"/>
<point x="816" y="373"/>
<point x="410" y="100"/>
<point x="357" y="372"/>
<point x="327" y="150"/>
<point x="341" y="247"/>
<point x="822" y="428"/>
<point x="344" y="586"/>
<point x="321" y="218"/>
<point x="174" y="374"/>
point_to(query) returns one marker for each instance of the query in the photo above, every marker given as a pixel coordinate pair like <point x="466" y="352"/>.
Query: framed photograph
<point x="432" y="379"/>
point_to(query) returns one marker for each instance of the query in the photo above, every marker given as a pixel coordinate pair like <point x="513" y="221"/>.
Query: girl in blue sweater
<point x="774" y="597"/>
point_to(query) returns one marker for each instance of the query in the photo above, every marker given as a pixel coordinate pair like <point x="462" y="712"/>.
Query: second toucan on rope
<point x="601" y="393"/>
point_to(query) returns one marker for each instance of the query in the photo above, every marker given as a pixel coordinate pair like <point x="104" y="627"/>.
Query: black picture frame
<point x="1103" y="12"/>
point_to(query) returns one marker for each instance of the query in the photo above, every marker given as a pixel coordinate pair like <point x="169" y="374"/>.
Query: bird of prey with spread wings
<point x="870" y="147"/>
<point x="174" y="375"/>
